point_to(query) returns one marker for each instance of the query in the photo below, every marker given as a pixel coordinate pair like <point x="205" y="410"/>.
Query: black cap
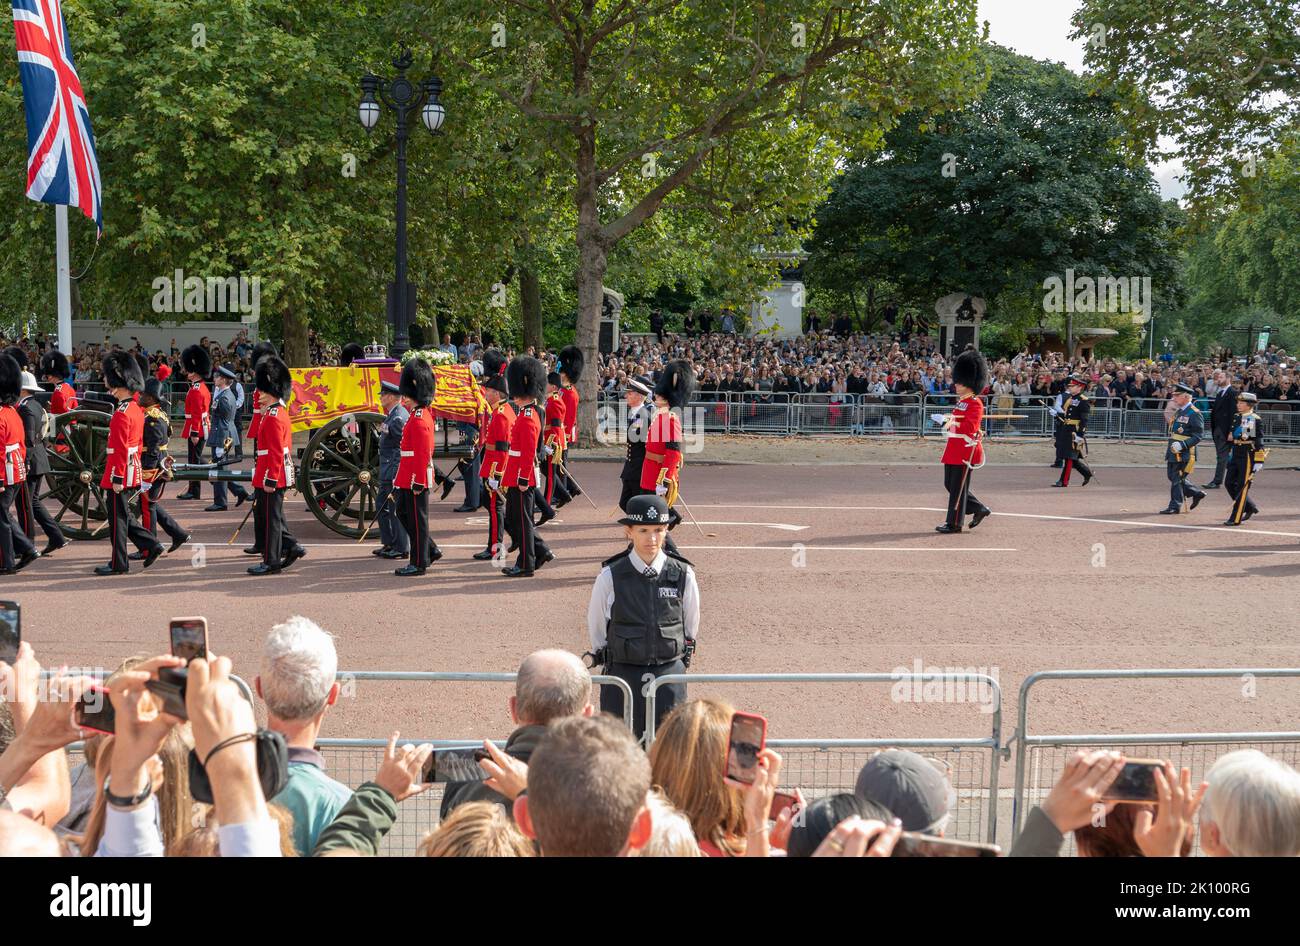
<point x="646" y="511"/>
<point x="907" y="784"/>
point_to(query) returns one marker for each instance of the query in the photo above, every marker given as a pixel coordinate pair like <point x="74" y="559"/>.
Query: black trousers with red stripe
<point x="413" y="512"/>
<point x="122" y="525"/>
<point x="275" y="535"/>
<point x="519" y="524"/>
<point x="153" y="515"/>
<point x="961" y="501"/>
<point x="13" y="540"/>
<point x="496" y="510"/>
<point x="557" y="489"/>
<point x="37" y="514"/>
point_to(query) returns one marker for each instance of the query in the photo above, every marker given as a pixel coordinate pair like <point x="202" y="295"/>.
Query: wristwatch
<point x="117" y="801"/>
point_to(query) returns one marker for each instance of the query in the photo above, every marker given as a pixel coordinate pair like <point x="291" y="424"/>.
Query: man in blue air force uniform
<point x="1186" y="430"/>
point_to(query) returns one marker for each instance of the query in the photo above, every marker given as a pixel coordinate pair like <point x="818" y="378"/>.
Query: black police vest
<point x="645" y="625"/>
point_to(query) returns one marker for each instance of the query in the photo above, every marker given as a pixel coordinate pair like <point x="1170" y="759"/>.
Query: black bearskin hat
<point x="261" y="350"/>
<point x="196" y="360"/>
<point x="417" y="382"/>
<point x="571" y="362"/>
<point x="494" y="363"/>
<point x="272" y="376"/>
<point x="121" y="370"/>
<point x="143" y="362"/>
<point x="351" y="352"/>
<point x="553" y="378"/>
<point x="526" y="377"/>
<point x="11" y="384"/>
<point x="676" y="384"/>
<point x="971" y="371"/>
<point x="54" y="364"/>
<point x="18" y="355"/>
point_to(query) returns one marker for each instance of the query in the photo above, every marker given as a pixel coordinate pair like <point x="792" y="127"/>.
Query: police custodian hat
<point x="645" y="511"/>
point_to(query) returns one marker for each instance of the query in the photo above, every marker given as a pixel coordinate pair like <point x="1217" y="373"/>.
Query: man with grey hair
<point x="1251" y="807"/>
<point x="297" y="683"/>
<point x="551" y="684"/>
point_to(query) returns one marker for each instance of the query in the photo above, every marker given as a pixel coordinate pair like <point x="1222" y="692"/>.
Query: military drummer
<point x="1186" y="430"/>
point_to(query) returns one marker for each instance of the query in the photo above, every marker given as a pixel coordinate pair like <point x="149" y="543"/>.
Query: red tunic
<point x="521" y="458"/>
<point x="274" y="449"/>
<point x="198" y="401"/>
<point x="415" y="467"/>
<point x="125" y="438"/>
<point x="554" y="435"/>
<point x="570" y="395"/>
<point x="964" y="438"/>
<point x="255" y="422"/>
<point x="63" y="399"/>
<point x="497" y="440"/>
<point x="663" y="449"/>
<point x="13" y="442"/>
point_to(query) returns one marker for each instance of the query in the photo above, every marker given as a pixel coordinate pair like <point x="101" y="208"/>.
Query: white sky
<point x="1041" y="29"/>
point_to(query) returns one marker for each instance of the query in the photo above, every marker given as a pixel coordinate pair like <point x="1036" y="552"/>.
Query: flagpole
<point x="63" y="275"/>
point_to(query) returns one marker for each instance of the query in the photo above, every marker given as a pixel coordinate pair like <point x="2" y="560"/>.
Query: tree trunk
<point x="296" y="351"/>
<point x="592" y="262"/>
<point x="530" y="303"/>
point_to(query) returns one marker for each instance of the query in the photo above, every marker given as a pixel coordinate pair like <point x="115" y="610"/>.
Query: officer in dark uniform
<point x="1247" y="441"/>
<point x="395" y="542"/>
<point x="1186" y="430"/>
<point x="157" y="432"/>
<point x="223" y="433"/>
<point x="644" y="615"/>
<point x="36" y="423"/>
<point x="639" y="412"/>
<point x="1072" y="429"/>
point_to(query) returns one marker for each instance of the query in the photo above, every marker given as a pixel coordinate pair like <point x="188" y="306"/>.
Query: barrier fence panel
<point x="753" y="413"/>
<point x="1281" y="422"/>
<point x="820" y="767"/>
<point x="710" y="416"/>
<point x="1041" y="758"/>
<point x="1145" y="424"/>
<point x="824" y="413"/>
<point x="889" y="414"/>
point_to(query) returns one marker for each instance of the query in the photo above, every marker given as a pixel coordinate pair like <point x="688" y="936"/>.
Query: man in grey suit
<point x="223" y="433"/>
<point x="393" y="536"/>
<point x="1223" y="410"/>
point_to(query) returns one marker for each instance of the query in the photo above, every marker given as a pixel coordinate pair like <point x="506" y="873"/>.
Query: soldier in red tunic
<point x="526" y="380"/>
<point x="661" y="468"/>
<point x="570" y="368"/>
<point x="274" y="473"/>
<point x="260" y="350"/>
<point x="198" y="400"/>
<point x="554" y="443"/>
<point x="16" y="550"/>
<point x="496" y="446"/>
<point x="964" y="452"/>
<point x="54" y="369"/>
<point x="415" y="467"/>
<point x="123" y="474"/>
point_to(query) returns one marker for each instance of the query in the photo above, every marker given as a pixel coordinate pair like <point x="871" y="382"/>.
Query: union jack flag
<point x="61" y="163"/>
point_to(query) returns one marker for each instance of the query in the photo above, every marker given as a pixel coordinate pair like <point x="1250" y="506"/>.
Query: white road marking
<point x="841" y="548"/>
<point x="1243" y="551"/>
<point x="784" y="526"/>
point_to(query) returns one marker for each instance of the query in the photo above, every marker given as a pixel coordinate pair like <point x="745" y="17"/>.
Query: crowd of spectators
<point x="568" y="782"/>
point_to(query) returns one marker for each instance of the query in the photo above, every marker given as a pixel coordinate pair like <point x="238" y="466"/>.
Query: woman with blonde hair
<point x="671" y="835"/>
<point x="476" y="829"/>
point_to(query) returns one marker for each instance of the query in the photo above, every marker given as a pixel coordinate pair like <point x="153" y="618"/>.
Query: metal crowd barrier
<point x="820" y="767"/>
<point x="1040" y="759"/>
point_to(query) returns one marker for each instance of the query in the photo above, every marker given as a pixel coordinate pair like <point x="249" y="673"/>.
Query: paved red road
<point x="873" y="588"/>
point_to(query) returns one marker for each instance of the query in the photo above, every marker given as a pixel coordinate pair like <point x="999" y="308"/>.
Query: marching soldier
<point x="554" y="442"/>
<point x="16" y="550"/>
<point x="571" y="364"/>
<point x="964" y="452"/>
<point x="260" y="350"/>
<point x="644" y="615"/>
<point x="122" y="464"/>
<point x="274" y="472"/>
<point x="1186" y="430"/>
<point x="639" y="412"/>
<point x="1072" y="430"/>
<point x="415" y="467"/>
<point x="157" y="432"/>
<point x="223" y="432"/>
<point x="1247" y="457"/>
<point x="661" y="469"/>
<point x="496" y="447"/>
<point x="198" y="402"/>
<point x="54" y="370"/>
<point x="36" y="427"/>
<point x="526" y="382"/>
<point x="393" y="537"/>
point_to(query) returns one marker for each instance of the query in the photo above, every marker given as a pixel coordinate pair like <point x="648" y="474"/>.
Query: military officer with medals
<point x="155" y="473"/>
<point x="36" y="425"/>
<point x="274" y="472"/>
<point x="1071" y="430"/>
<point x="394" y="542"/>
<point x="644" y="615"/>
<point x="415" y="467"/>
<point x="639" y="412"/>
<point x="1247" y="441"/>
<point x="223" y="433"/>
<point x="1186" y="430"/>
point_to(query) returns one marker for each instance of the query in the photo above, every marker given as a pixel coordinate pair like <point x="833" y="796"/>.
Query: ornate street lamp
<point x="403" y="97"/>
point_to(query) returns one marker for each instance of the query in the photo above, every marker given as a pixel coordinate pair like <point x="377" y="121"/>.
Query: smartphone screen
<point x="911" y="844"/>
<point x="748" y="736"/>
<point x="189" y="638"/>
<point x="1136" y="782"/>
<point x="780" y="802"/>
<point x="455" y="765"/>
<point x="95" y="711"/>
<point x="10" y="631"/>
